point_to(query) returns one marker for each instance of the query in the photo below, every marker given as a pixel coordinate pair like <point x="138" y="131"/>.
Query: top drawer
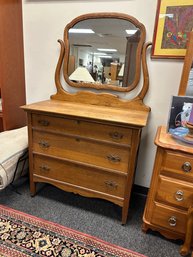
<point x="82" y="128"/>
<point x="178" y="165"/>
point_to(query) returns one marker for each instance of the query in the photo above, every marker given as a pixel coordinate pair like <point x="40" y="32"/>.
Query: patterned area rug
<point x="25" y="235"/>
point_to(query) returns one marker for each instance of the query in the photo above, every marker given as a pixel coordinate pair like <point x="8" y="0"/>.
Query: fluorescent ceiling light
<point x="105" y="56"/>
<point x="131" y="31"/>
<point x="84" y="31"/>
<point x="107" y="50"/>
<point x="99" y="53"/>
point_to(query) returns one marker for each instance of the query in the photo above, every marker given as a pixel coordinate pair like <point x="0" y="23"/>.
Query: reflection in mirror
<point x="101" y="46"/>
<point x="105" y="52"/>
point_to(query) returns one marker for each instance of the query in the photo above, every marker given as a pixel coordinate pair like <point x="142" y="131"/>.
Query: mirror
<point x="186" y="83"/>
<point x="103" y="51"/>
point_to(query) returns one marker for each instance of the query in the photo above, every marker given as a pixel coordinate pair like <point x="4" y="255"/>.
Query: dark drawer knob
<point x="186" y="167"/>
<point x="44" y="144"/>
<point x="44" y="123"/>
<point x="111" y="184"/>
<point x="116" y="135"/>
<point x="44" y="168"/>
<point x="179" y="195"/>
<point x="172" y="221"/>
<point x="113" y="158"/>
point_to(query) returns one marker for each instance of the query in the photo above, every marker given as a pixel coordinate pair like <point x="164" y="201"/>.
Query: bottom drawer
<point x="92" y="178"/>
<point x="170" y="219"/>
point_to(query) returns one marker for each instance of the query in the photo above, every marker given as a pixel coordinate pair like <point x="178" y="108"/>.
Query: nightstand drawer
<point x="169" y="218"/>
<point x="81" y="150"/>
<point x="82" y="128"/>
<point x="178" y="165"/>
<point x="174" y="192"/>
<point x="70" y="173"/>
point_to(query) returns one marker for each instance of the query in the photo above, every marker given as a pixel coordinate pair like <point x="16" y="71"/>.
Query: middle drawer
<point x="174" y="192"/>
<point x="86" y="151"/>
<point x="91" y="178"/>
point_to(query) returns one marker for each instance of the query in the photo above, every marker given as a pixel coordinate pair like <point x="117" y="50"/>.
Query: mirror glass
<point x="104" y="52"/>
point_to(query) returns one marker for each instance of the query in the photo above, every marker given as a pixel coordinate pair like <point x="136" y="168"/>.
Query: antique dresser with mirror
<point x="169" y="206"/>
<point x="87" y="142"/>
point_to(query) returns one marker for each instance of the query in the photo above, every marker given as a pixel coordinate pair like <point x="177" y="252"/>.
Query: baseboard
<point x="140" y="190"/>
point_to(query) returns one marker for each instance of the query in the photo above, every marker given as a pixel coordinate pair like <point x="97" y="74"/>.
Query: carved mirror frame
<point x="102" y="98"/>
<point x="117" y="16"/>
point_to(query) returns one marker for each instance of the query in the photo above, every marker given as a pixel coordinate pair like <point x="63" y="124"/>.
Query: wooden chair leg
<point x="185" y="249"/>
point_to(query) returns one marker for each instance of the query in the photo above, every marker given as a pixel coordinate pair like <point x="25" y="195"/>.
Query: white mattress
<point x="14" y="143"/>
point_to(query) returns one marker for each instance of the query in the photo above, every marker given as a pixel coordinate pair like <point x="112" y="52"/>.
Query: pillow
<point x="14" y="143"/>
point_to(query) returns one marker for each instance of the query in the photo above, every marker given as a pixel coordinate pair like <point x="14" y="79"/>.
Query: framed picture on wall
<point x="172" y="26"/>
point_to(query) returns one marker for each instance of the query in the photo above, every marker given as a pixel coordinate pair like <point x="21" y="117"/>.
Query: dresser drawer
<point x="85" y="151"/>
<point x="85" y="177"/>
<point x="178" y="165"/>
<point x="82" y="128"/>
<point x="174" y="192"/>
<point x="169" y="218"/>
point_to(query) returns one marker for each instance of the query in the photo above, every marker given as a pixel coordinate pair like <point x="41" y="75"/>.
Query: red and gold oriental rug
<point x="25" y="235"/>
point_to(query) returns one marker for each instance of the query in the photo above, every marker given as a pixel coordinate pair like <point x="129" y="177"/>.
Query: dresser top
<point x="165" y="140"/>
<point x="101" y="113"/>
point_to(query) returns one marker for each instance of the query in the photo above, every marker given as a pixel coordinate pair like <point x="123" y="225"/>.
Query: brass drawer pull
<point x="187" y="167"/>
<point x="113" y="158"/>
<point x="111" y="184"/>
<point x="44" y="144"/>
<point x="172" y="221"/>
<point x="44" y="123"/>
<point x="179" y="195"/>
<point x="44" y="168"/>
<point x="116" y="135"/>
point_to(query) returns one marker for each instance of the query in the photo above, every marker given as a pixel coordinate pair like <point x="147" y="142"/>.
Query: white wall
<point x="44" y="21"/>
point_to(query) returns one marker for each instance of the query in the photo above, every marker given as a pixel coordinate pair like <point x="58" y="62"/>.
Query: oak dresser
<point x="90" y="150"/>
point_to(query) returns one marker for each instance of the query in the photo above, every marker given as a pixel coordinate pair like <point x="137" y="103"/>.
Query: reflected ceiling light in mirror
<point x="131" y="31"/>
<point x="105" y="56"/>
<point x="107" y="50"/>
<point x="81" y="74"/>
<point x="83" y="31"/>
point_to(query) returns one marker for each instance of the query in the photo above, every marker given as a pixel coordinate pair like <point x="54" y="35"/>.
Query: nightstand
<point x="171" y="190"/>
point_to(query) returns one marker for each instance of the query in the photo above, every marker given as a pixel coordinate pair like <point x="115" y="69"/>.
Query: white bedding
<point x="13" y="144"/>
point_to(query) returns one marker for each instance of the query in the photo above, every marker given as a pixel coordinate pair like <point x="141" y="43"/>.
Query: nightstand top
<point x="165" y="140"/>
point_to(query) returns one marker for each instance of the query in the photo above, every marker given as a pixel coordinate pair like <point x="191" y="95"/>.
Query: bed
<point x="13" y="155"/>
